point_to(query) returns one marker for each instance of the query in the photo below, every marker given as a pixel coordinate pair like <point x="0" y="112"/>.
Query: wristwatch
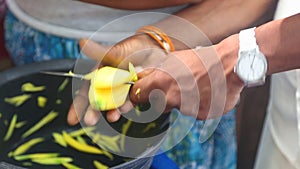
<point x="251" y="66"/>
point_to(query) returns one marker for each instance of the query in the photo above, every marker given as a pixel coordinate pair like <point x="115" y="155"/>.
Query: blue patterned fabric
<point x="27" y="45"/>
<point x="217" y="152"/>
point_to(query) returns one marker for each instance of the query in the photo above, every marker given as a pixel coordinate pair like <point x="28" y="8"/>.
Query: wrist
<point x="227" y="51"/>
<point x="146" y="40"/>
<point x="159" y="36"/>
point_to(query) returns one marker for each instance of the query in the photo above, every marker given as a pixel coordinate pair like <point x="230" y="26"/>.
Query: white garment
<point x="283" y="117"/>
<point x="74" y="19"/>
<point x="269" y="155"/>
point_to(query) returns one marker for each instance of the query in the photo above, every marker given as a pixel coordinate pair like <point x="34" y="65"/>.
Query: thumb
<point x="92" y="49"/>
<point x="107" y="55"/>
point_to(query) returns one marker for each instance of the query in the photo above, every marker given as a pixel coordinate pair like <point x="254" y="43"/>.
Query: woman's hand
<point x="140" y="50"/>
<point x="201" y="83"/>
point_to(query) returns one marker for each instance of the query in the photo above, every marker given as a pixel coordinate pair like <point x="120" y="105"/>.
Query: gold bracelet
<point x="159" y="36"/>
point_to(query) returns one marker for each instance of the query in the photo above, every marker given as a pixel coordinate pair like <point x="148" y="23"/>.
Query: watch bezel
<point x="243" y="55"/>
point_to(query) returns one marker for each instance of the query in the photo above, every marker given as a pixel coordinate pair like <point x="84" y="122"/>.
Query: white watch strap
<point x="247" y="39"/>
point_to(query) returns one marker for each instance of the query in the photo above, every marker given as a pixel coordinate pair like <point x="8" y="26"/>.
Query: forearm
<point x="140" y="4"/>
<point x="279" y="40"/>
<point x="216" y="19"/>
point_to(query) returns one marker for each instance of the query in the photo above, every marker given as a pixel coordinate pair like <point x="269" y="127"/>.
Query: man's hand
<point x="201" y="83"/>
<point x="140" y="50"/>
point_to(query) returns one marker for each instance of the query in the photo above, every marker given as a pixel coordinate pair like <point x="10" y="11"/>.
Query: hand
<point x="140" y="50"/>
<point x="201" y="83"/>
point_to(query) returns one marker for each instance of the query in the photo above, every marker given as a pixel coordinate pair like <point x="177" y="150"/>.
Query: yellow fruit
<point x="109" y="88"/>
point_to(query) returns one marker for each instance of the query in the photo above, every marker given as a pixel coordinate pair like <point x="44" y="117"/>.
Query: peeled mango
<point x="109" y="87"/>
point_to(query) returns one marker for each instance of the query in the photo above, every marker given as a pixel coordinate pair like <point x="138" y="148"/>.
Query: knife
<point x="71" y="74"/>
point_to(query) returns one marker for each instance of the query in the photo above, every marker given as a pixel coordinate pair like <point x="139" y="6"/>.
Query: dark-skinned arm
<point x="216" y="19"/>
<point x="140" y="4"/>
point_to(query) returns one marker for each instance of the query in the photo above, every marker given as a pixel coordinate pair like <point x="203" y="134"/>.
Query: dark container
<point x="10" y="82"/>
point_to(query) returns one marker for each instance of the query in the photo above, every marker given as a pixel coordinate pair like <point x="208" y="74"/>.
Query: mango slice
<point x="35" y="156"/>
<point x="41" y="101"/>
<point x="52" y="161"/>
<point x="99" y="165"/>
<point x="11" y="128"/>
<point x="80" y="147"/>
<point x="63" y="85"/>
<point x="29" y="87"/>
<point x="70" y="166"/>
<point x="45" y="120"/>
<point x="20" y="124"/>
<point x="59" y="139"/>
<point x="109" y="88"/>
<point x="17" y="100"/>
<point x="26" y="146"/>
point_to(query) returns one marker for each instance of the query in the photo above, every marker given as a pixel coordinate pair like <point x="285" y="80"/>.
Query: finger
<point x="141" y="89"/>
<point x="145" y="72"/>
<point x="113" y="115"/>
<point x="79" y="105"/>
<point x="126" y="107"/>
<point x="92" y="49"/>
<point x="91" y="116"/>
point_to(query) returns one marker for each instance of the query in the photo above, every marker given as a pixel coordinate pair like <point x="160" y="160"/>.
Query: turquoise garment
<point x="27" y="45"/>
<point x="217" y="152"/>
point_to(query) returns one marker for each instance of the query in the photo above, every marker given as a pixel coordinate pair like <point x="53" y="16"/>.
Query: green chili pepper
<point x="52" y="161"/>
<point x="63" y="85"/>
<point x="26" y="146"/>
<point x="11" y="128"/>
<point x="99" y="165"/>
<point x="48" y="118"/>
<point x="35" y="156"/>
<point x="17" y="100"/>
<point x="29" y="87"/>
<point x="70" y="166"/>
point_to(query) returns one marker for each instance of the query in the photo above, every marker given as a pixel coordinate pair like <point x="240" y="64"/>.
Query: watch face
<point x="251" y="66"/>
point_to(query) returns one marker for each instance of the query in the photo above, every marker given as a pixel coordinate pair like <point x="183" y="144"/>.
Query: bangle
<point x="159" y="36"/>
